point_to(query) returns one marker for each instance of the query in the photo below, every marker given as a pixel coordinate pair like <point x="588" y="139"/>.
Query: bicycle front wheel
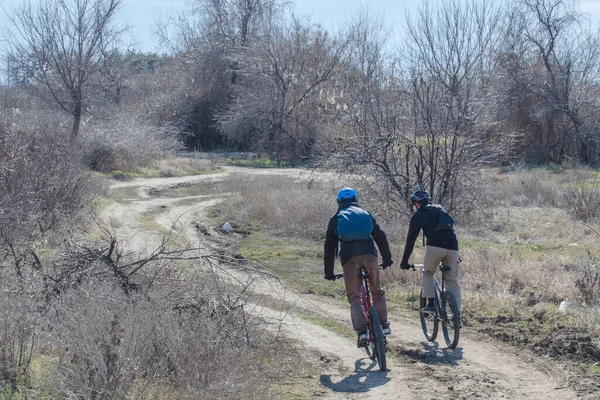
<point x="450" y="319"/>
<point x="429" y="321"/>
<point x="378" y="340"/>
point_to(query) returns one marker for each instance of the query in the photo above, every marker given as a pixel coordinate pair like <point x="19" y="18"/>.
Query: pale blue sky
<point x="142" y="14"/>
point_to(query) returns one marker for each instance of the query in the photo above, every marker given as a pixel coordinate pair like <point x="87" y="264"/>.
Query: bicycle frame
<point x="446" y="312"/>
<point x="439" y="289"/>
<point x="377" y="341"/>
<point x="365" y="296"/>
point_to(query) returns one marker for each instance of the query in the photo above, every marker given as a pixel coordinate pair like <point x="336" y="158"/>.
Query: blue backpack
<point x="354" y="223"/>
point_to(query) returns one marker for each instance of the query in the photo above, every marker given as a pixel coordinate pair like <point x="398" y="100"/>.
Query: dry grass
<point x="283" y="205"/>
<point x="527" y="244"/>
<point x="297" y="206"/>
<point x="180" y="330"/>
<point x="523" y="247"/>
<point x="184" y="332"/>
<point x="186" y="166"/>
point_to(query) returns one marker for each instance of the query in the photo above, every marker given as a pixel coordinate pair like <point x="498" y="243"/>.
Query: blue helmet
<point x="347" y="194"/>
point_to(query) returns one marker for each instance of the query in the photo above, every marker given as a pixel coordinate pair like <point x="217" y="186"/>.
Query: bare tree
<point x="212" y="39"/>
<point x="556" y="74"/>
<point x="451" y="50"/>
<point x="421" y="121"/>
<point x="60" y="45"/>
<point x="375" y="107"/>
<point x="277" y="98"/>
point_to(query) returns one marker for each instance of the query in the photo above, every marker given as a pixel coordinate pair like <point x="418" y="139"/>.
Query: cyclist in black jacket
<point x="442" y="246"/>
<point x="356" y="255"/>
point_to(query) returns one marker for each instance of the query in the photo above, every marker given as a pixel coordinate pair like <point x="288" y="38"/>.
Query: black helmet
<point x="419" y="196"/>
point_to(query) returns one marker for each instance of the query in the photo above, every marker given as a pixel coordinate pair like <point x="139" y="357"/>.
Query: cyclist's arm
<point x="380" y="238"/>
<point x="331" y="244"/>
<point x="413" y="233"/>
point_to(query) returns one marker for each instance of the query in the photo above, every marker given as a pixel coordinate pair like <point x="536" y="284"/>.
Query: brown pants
<point x="353" y="282"/>
<point x="433" y="257"/>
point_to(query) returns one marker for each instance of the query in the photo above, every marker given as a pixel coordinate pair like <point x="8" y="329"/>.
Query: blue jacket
<point x="349" y="249"/>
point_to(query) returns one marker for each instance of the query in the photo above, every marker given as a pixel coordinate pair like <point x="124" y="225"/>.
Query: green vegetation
<point x="297" y="261"/>
<point x="523" y="253"/>
<point x="148" y="224"/>
<point x="167" y="168"/>
<point x="97" y="204"/>
<point x="264" y="162"/>
<point x="119" y="175"/>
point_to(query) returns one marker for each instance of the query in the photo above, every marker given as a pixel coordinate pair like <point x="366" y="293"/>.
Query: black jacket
<point x="355" y="247"/>
<point x="422" y="219"/>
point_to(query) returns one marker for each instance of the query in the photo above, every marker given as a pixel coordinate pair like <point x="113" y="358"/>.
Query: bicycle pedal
<point x="363" y="340"/>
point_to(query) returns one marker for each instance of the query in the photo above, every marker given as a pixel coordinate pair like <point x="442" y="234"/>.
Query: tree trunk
<point x="76" y="121"/>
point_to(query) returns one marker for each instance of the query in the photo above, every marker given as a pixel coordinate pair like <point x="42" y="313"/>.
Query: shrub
<point x="125" y="143"/>
<point x="18" y="335"/>
<point x="584" y="202"/>
<point x="42" y="187"/>
<point x="100" y="324"/>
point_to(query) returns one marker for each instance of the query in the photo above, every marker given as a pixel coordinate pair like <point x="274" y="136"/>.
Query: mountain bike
<point x="446" y="312"/>
<point x="377" y="342"/>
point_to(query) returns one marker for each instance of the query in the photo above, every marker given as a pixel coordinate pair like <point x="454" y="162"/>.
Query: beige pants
<point x="353" y="282"/>
<point x="433" y="257"/>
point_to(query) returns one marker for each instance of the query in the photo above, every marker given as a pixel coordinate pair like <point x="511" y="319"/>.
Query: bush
<point x="42" y="186"/>
<point x="584" y="203"/>
<point x="91" y="322"/>
<point x="18" y="335"/>
<point x="125" y="143"/>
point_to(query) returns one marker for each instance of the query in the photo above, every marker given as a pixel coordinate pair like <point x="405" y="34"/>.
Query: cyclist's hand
<point x="330" y="277"/>
<point x="387" y="264"/>
<point x="406" y="266"/>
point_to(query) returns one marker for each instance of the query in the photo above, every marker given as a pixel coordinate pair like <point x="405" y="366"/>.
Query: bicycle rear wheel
<point x="450" y="319"/>
<point x="378" y="341"/>
<point x="429" y="321"/>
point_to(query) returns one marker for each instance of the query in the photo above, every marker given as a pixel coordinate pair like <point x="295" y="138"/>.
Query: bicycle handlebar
<point x="442" y="267"/>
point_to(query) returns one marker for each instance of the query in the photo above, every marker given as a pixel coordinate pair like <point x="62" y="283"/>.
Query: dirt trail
<point x="480" y="368"/>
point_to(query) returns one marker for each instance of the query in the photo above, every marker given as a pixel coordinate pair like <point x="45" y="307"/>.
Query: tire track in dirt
<point x="480" y="368"/>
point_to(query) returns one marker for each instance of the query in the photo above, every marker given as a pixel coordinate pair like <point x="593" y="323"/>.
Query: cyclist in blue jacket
<point x="357" y="251"/>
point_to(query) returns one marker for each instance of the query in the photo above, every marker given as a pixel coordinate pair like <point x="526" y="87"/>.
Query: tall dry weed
<point x="525" y="245"/>
<point x="523" y="188"/>
<point x="290" y="206"/>
<point x="18" y="338"/>
<point x="97" y="324"/>
<point x="584" y="202"/>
